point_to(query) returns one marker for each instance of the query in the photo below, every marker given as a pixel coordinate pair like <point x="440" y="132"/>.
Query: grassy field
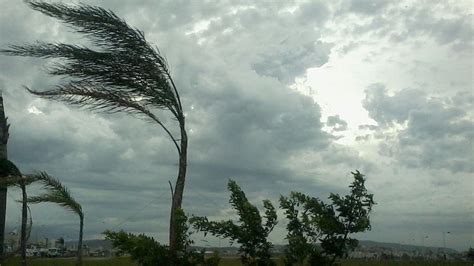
<point x="71" y="262"/>
<point x="224" y="262"/>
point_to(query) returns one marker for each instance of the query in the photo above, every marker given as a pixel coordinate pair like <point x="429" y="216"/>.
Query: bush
<point x="250" y="232"/>
<point x="312" y="221"/>
<point x="148" y="252"/>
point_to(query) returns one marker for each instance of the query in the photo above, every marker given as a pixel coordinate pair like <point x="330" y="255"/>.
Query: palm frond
<point x="122" y="71"/>
<point x="122" y="68"/>
<point x="125" y="50"/>
<point x="102" y="26"/>
<point x="56" y="193"/>
<point x="85" y="94"/>
<point x="8" y="168"/>
<point x="16" y="181"/>
<point x="10" y="181"/>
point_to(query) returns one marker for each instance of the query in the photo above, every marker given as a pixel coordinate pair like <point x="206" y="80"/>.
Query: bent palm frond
<point x="56" y="193"/>
<point x="123" y="73"/>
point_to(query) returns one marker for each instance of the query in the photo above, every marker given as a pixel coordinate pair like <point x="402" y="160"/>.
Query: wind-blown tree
<point x="10" y="175"/>
<point x="251" y="232"/>
<point x="121" y="73"/>
<point x="310" y="220"/>
<point x="59" y="194"/>
<point x="147" y="251"/>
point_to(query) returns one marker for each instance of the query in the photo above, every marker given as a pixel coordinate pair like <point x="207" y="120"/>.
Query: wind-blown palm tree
<point x="124" y="73"/>
<point x="59" y="194"/>
<point x="11" y="176"/>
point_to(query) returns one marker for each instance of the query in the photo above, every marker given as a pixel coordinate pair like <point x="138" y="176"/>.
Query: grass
<point x="125" y="261"/>
<point x="404" y="263"/>
<point x="120" y="261"/>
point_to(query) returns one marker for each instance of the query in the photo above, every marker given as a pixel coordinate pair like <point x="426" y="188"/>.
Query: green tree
<point x="251" y="232"/>
<point x="470" y="254"/>
<point x="143" y="249"/>
<point x="10" y="175"/>
<point x="59" y="194"/>
<point x="122" y="73"/>
<point x="302" y="234"/>
<point x="148" y="252"/>
<point x="312" y="220"/>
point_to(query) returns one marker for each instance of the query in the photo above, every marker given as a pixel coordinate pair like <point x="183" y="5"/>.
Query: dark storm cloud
<point x="281" y="45"/>
<point x="232" y="62"/>
<point x="286" y="64"/>
<point x="444" y="29"/>
<point x="242" y="124"/>
<point x="386" y="109"/>
<point x="441" y="21"/>
<point x="438" y="132"/>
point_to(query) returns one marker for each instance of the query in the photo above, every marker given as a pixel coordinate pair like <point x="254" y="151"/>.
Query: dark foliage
<point x="143" y="249"/>
<point x="311" y="221"/>
<point x="250" y="232"/>
<point x="148" y="252"/>
<point x="470" y="254"/>
<point x="7" y="168"/>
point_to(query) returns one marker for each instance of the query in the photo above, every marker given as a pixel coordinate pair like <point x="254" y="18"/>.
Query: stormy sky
<point x="280" y="96"/>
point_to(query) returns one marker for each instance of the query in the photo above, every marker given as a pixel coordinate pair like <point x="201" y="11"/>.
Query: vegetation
<point x="470" y="254"/>
<point x="119" y="261"/>
<point x="11" y="176"/>
<point x="251" y="232"/>
<point x="142" y="249"/>
<point x="126" y="261"/>
<point x="59" y="194"/>
<point x="124" y="73"/>
<point x="312" y="221"/>
<point x="147" y="251"/>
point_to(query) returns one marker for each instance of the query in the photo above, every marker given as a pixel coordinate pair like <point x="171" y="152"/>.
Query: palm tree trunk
<point x="3" y="190"/>
<point x="79" y="247"/>
<point x="178" y="192"/>
<point x="24" y="217"/>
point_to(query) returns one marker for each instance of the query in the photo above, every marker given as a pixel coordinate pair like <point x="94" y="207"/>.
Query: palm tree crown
<point x="56" y="193"/>
<point x="123" y="74"/>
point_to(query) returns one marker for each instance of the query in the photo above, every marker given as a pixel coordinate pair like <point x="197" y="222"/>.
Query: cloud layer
<point x="236" y="66"/>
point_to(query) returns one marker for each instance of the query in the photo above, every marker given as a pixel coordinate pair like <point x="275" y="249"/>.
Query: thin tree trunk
<point x="178" y="193"/>
<point x="24" y="217"/>
<point x="3" y="190"/>
<point x="79" y="247"/>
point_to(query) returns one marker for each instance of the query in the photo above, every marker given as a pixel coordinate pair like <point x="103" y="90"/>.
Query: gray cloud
<point x="438" y="133"/>
<point x="243" y="120"/>
<point x="242" y="124"/>
<point x="336" y="123"/>
<point x="386" y="109"/>
<point x="408" y="23"/>
<point x="367" y="6"/>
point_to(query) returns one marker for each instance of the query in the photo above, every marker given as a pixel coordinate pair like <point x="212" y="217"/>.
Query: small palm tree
<point x="10" y="175"/>
<point x="59" y="194"/>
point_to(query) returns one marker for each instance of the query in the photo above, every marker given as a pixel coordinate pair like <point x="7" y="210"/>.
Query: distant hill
<point x="396" y="246"/>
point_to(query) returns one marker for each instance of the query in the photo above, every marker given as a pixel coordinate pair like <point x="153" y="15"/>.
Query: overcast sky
<point x="279" y="96"/>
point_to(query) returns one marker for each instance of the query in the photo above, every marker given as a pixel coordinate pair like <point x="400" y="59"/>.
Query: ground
<point x="224" y="262"/>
